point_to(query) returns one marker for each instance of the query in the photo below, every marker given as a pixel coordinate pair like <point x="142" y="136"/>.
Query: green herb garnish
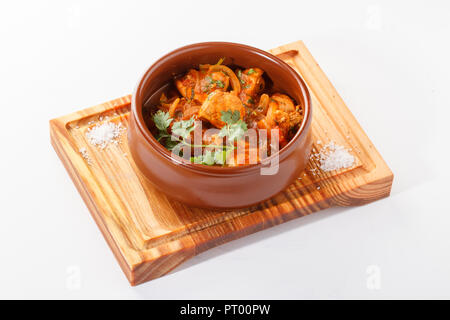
<point x="239" y="75"/>
<point x="211" y="81"/>
<point x="183" y="128"/>
<point x="251" y="71"/>
<point x="219" y="84"/>
<point x="233" y="130"/>
<point x="212" y="157"/>
<point x="162" y="121"/>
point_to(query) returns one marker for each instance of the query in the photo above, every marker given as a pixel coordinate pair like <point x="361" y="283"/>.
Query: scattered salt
<point x="103" y="134"/>
<point x="85" y="155"/>
<point x="335" y="157"/>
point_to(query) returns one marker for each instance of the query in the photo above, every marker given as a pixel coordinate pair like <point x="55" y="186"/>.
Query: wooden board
<point x="150" y="234"/>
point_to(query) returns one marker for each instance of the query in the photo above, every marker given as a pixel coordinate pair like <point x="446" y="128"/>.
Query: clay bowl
<point x="215" y="186"/>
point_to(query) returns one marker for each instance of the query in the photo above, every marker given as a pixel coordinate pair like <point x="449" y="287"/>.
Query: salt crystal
<point x="335" y="157"/>
<point x="103" y="134"/>
<point x="85" y="155"/>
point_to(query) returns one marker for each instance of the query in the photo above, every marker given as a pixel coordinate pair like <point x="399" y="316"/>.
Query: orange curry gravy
<point x="203" y="94"/>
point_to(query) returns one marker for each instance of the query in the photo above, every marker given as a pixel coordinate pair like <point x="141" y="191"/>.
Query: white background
<point x="390" y="63"/>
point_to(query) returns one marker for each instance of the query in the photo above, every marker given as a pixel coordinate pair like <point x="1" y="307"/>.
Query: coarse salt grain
<point x="335" y="157"/>
<point x="103" y="134"/>
<point x="85" y="155"/>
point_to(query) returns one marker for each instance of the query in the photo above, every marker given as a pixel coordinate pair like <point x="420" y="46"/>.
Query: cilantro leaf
<point x="220" y="84"/>
<point x="251" y="71"/>
<point x="211" y="157"/>
<point x="208" y="158"/>
<point x="220" y="157"/>
<point x="235" y="128"/>
<point x="171" y="144"/>
<point x="235" y="116"/>
<point x="230" y="117"/>
<point x="226" y="116"/>
<point x="162" y="120"/>
<point x="239" y="75"/>
<point x="197" y="159"/>
<point x="183" y="128"/>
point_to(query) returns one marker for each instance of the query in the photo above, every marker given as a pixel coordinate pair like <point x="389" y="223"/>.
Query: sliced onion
<point x="173" y="107"/>
<point x="204" y="67"/>
<point x="263" y="104"/>
<point x="233" y="79"/>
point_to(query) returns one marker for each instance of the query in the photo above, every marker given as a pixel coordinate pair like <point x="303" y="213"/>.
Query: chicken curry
<point x="222" y="106"/>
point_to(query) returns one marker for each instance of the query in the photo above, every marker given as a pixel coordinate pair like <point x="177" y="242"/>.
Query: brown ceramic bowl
<point x="215" y="186"/>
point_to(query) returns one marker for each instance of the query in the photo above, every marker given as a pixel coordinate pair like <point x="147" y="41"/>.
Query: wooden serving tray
<point x="151" y="234"/>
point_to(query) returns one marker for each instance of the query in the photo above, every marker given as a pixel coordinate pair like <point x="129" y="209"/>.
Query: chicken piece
<point x="282" y="115"/>
<point x="191" y="111"/>
<point x="196" y="85"/>
<point x="214" y="81"/>
<point x="280" y="106"/>
<point x="220" y="101"/>
<point x="277" y="118"/>
<point x="186" y="85"/>
<point x="252" y="82"/>
<point x="284" y="102"/>
<point x="295" y="118"/>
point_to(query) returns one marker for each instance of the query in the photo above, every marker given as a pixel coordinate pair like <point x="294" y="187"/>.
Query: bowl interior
<point x="183" y="59"/>
<point x="282" y="77"/>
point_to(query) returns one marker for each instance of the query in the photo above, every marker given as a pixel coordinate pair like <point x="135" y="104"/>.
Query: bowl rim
<point x="162" y="151"/>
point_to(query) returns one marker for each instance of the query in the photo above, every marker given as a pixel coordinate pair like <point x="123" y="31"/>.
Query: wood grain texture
<point x="150" y="234"/>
